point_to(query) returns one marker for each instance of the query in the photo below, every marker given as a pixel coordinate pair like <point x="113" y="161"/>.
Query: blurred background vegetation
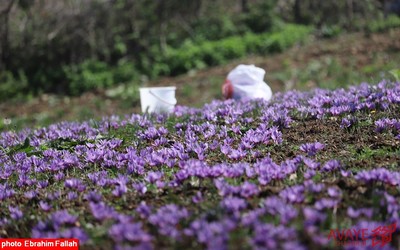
<point x="68" y="47"/>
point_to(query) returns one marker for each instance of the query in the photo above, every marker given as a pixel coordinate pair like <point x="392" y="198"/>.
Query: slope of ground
<point x="330" y="63"/>
<point x="307" y="170"/>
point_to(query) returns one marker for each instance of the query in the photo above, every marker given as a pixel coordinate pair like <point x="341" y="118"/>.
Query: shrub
<point x="124" y="72"/>
<point x="279" y="41"/>
<point x="261" y="16"/>
<point x="92" y="74"/>
<point x="329" y="31"/>
<point x="210" y="53"/>
<point x="381" y="25"/>
<point x="87" y="76"/>
<point x="12" y="86"/>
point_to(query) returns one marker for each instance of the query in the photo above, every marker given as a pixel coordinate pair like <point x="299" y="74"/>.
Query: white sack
<point x="248" y="82"/>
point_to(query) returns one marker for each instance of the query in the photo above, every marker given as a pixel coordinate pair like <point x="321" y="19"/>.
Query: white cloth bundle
<point x="247" y="81"/>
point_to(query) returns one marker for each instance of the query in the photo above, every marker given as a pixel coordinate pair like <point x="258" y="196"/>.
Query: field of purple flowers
<point x="298" y="172"/>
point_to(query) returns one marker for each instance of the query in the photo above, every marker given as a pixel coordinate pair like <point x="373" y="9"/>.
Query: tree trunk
<point x="245" y="6"/>
<point x="350" y="10"/>
<point x="386" y="8"/>
<point x="4" y="32"/>
<point x="162" y="24"/>
<point x="163" y="37"/>
<point x="297" y="11"/>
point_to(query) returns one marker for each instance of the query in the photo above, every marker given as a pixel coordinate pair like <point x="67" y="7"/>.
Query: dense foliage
<point x="210" y="53"/>
<point x="70" y="46"/>
<point x="58" y="44"/>
<point x="249" y="174"/>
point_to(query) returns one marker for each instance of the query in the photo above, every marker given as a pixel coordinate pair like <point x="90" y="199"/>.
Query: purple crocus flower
<point x="331" y="165"/>
<point x="4" y="222"/>
<point x="250" y="171"/>
<point x="325" y="203"/>
<point x="45" y="229"/>
<point x="231" y="171"/>
<point x="53" y="196"/>
<point x="346" y="122"/>
<point x="393" y="206"/>
<point x="99" y="178"/>
<point x="334" y="192"/>
<point x="198" y="197"/>
<point x="101" y="211"/>
<point x="70" y="160"/>
<point x="93" y="196"/>
<point x="44" y="206"/>
<point x="276" y="135"/>
<point x="59" y="176"/>
<point x="72" y="196"/>
<point x="345" y="173"/>
<point x="94" y="155"/>
<point x="385" y="124"/>
<point x="268" y="236"/>
<point x="140" y="187"/>
<point x="62" y="217"/>
<point x="30" y="194"/>
<point x="268" y="170"/>
<point x="276" y="206"/>
<point x="75" y="184"/>
<point x="313" y="216"/>
<point x="143" y="210"/>
<point x="121" y="180"/>
<point x="114" y="143"/>
<point x="22" y="180"/>
<point x="225" y="149"/>
<point x="167" y="218"/>
<point x="224" y="189"/>
<point x="120" y="190"/>
<point x="309" y="174"/>
<point x="379" y="174"/>
<point x="6" y="191"/>
<point x="152" y="177"/>
<point x="310" y="163"/>
<point x="249" y="189"/>
<point x="356" y="213"/>
<point x="236" y="154"/>
<point x="75" y="233"/>
<point x="380" y="125"/>
<point x="252" y="217"/>
<point x="233" y="204"/>
<point x="131" y="232"/>
<point x="15" y="213"/>
<point x="294" y="194"/>
<point x="319" y="238"/>
<point x="312" y="148"/>
<point x="213" y="234"/>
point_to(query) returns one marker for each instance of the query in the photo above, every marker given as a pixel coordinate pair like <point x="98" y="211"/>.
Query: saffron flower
<point x="312" y="148"/>
<point x="233" y="204"/>
<point x="44" y="206"/>
<point x="167" y="218"/>
<point x="131" y="232"/>
<point x="15" y="213"/>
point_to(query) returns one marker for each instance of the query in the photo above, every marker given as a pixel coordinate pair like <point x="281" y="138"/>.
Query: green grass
<point x="330" y="73"/>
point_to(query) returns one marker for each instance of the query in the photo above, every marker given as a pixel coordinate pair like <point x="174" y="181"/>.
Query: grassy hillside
<point x="328" y="63"/>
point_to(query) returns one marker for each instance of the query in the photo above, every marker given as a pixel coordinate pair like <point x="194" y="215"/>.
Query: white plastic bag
<point x="246" y="81"/>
